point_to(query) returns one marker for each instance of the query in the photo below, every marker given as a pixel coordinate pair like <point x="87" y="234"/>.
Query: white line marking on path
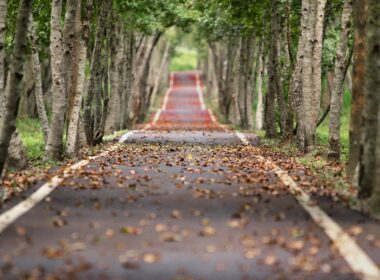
<point x="24" y="206"/>
<point x="356" y="258"/>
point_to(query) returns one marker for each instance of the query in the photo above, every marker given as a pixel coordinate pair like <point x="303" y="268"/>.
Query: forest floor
<point x="184" y="197"/>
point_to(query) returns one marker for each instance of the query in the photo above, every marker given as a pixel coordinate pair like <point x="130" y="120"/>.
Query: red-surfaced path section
<point x="183" y="106"/>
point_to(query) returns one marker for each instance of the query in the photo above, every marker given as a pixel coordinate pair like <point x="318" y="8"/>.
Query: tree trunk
<point x="38" y="81"/>
<point x="260" y="95"/>
<point x="369" y="170"/>
<point x="311" y="70"/>
<point x="3" y="17"/>
<point x="339" y="76"/>
<point x="95" y="74"/>
<point x="112" y="123"/>
<point x="357" y="105"/>
<point x="316" y="76"/>
<point x="245" y="81"/>
<point x="274" y="60"/>
<point x="12" y="97"/>
<point x="53" y="149"/>
<point x="142" y="71"/>
<point x="102" y="98"/>
<point x="218" y="73"/>
<point x="229" y="80"/>
<point x="160" y="71"/>
<point x="77" y="85"/>
<point x="70" y="36"/>
<point x="270" y="103"/>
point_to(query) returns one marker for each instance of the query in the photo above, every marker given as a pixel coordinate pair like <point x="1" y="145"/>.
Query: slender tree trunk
<point x="95" y="74"/>
<point x="295" y="88"/>
<point x="142" y="71"/>
<point x="248" y="90"/>
<point x="357" y="106"/>
<point x="3" y="17"/>
<point x="112" y="122"/>
<point x="270" y="102"/>
<point x="369" y="180"/>
<point x="53" y="149"/>
<point x="229" y="80"/>
<point x="260" y="95"/>
<point x="339" y="76"/>
<point x="307" y="82"/>
<point x="311" y="70"/>
<point x="288" y="35"/>
<point x="12" y="97"/>
<point x="274" y="60"/>
<point x="241" y="82"/>
<point x="70" y="36"/>
<point x="129" y="53"/>
<point x="315" y="42"/>
<point x="160" y="71"/>
<point x="77" y="85"/>
<point x="103" y="92"/>
<point x="218" y="73"/>
<point x="38" y="81"/>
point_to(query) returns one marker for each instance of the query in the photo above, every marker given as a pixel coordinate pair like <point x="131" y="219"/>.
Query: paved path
<point x="183" y="198"/>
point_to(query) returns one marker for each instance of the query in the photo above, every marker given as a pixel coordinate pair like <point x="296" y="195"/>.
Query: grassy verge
<point x="31" y="136"/>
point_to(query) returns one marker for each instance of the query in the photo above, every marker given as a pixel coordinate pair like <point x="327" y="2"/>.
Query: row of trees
<point x="97" y="65"/>
<point x="85" y="68"/>
<point x="291" y="60"/>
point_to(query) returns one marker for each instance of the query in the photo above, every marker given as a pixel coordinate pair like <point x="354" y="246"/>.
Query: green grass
<point x="323" y="129"/>
<point x="31" y="136"/>
<point x="184" y="60"/>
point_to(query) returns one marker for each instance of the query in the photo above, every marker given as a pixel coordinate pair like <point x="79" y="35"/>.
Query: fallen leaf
<point x="151" y="257"/>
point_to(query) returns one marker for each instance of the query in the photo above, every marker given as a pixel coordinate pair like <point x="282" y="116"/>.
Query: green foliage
<point x="150" y="16"/>
<point x="184" y="59"/>
<point x="32" y="138"/>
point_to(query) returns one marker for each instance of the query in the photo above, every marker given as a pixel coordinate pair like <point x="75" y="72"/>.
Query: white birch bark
<point x="53" y="149"/>
<point x="37" y="81"/>
<point x="339" y="76"/>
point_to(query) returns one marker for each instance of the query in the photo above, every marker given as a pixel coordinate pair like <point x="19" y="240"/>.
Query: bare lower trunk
<point x="245" y="80"/>
<point x="77" y="87"/>
<point x="12" y="96"/>
<point x="260" y="95"/>
<point x="142" y="71"/>
<point x="369" y="180"/>
<point x="3" y="17"/>
<point x="112" y="123"/>
<point x="339" y="76"/>
<point x="307" y="82"/>
<point x="311" y="70"/>
<point x="316" y="76"/>
<point x="160" y="71"/>
<point x="95" y="74"/>
<point x="38" y="82"/>
<point x="53" y="149"/>
<point x="274" y="60"/>
<point x="217" y="61"/>
<point x="357" y="106"/>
